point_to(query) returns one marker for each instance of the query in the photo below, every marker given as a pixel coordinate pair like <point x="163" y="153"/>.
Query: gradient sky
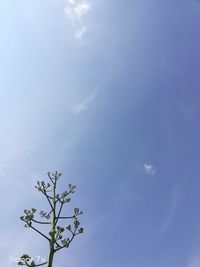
<point x="106" y="92"/>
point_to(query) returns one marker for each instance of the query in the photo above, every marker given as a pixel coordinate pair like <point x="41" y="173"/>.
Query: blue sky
<point x="107" y="92"/>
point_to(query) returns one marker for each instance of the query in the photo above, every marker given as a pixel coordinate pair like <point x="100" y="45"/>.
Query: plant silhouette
<point x="59" y="237"/>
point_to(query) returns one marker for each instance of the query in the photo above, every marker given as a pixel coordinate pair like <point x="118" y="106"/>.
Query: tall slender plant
<point x="55" y="237"/>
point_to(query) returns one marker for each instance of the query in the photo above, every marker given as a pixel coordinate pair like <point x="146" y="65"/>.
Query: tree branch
<point x="38" y="231"/>
<point x="49" y="213"/>
<point x="40" y="222"/>
<point x="70" y="217"/>
<point x="49" y="200"/>
<point x="55" y="241"/>
<point x="40" y="264"/>
<point x="57" y="218"/>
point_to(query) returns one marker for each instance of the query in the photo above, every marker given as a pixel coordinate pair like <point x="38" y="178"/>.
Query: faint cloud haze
<point x="149" y="169"/>
<point x="75" y="11"/>
<point x="169" y="217"/>
<point x="79" y="34"/>
<point x="194" y="261"/>
<point x="83" y="106"/>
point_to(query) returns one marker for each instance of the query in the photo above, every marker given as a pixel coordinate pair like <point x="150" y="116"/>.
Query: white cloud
<point x="83" y="106"/>
<point x="80" y="9"/>
<point x="149" y="169"/>
<point x="75" y="11"/>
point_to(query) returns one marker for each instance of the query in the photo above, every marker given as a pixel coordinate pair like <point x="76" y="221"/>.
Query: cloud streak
<point x="168" y="219"/>
<point x="75" y="11"/>
<point x="83" y="106"/>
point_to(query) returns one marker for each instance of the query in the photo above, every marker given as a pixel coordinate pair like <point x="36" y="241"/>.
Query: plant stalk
<point x="53" y="225"/>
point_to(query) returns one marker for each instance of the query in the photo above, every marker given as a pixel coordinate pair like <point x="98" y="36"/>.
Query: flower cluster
<point x="28" y="217"/>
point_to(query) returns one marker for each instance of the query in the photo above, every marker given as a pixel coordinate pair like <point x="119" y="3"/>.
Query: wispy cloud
<point x="75" y="11"/>
<point x="149" y="169"/>
<point x="169" y="217"/>
<point x="194" y="261"/>
<point x="83" y="106"/>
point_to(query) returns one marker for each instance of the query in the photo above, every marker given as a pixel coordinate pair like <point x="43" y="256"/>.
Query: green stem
<point x="53" y="226"/>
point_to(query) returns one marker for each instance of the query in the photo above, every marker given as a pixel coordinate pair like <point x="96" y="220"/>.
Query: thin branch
<point x="53" y="182"/>
<point x="60" y="247"/>
<point x="50" y="212"/>
<point x="49" y="191"/>
<point x="40" y="222"/>
<point x="26" y="263"/>
<point x="55" y="241"/>
<point x="40" y="264"/>
<point x="72" y="238"/>
<point x="47" y="197"/>
<point x="57" y="218"/>
<point x="49" y="200"/>
<point x="44" y="193"/>
<point x="38" y="231"/>
<point x="70" y="217"/>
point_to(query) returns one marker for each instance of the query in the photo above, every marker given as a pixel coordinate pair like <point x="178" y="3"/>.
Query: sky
<point x="106" y="92"/>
